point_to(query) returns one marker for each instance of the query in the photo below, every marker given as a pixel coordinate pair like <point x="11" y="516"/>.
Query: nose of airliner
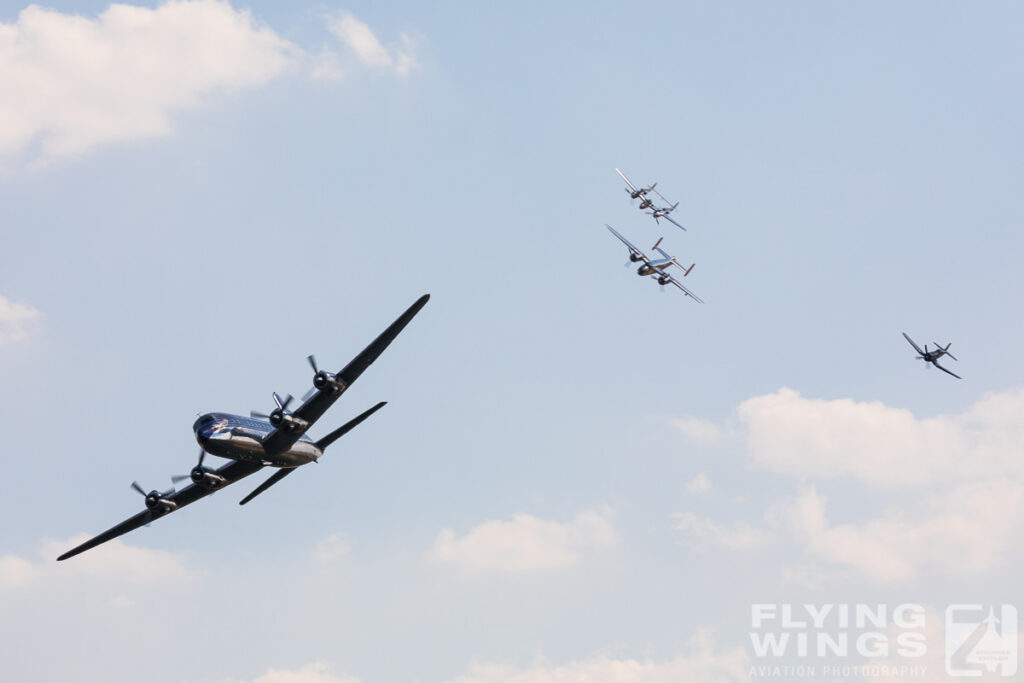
<point x="205" y="428"/>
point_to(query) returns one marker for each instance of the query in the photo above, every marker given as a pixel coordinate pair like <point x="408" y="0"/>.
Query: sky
<point x="576" y="477"/>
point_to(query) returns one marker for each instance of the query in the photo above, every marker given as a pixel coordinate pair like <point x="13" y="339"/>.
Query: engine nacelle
<point x="663" y="280"/>
<point x="634" y="258"/>
<point x="204" y="477"/>
<point x="155" y="500"/>
<point x="323" y="380"/>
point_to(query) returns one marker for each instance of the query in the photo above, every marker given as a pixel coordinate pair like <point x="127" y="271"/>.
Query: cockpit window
<point x="203" y="421"/>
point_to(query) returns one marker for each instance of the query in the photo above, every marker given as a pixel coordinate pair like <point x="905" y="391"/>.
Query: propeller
<point x="154" y="496"/>
<point x="192" y="475"/>
<point x="276" y="416"/>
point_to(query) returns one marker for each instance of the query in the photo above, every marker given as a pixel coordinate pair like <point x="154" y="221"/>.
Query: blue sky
<point x="621" y="473"/>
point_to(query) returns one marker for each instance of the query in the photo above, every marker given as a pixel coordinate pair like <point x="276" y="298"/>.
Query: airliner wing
<point x="280" y="440"/>
<point x="231" y="472"/>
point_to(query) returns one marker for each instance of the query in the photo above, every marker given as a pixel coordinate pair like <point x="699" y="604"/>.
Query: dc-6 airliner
<point x="276" y="440"/>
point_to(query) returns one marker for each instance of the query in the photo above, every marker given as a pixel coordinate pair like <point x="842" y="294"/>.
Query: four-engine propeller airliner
<point x="656" y="268"/>
<point x="251" y="444"/>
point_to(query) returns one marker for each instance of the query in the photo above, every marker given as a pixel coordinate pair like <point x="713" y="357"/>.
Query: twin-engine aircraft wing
<point x="231" y="473"/>
<point x="623" y="176"/>
<point x="629" y="245"/>
<point x="678" y="284"/>
<point x="280" y="440"/>
<point x="672" y="221"/>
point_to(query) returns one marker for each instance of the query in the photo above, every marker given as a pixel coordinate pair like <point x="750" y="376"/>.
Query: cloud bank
<point x="957" y="483"/>
<point x="525" y="544"/>
<point x="17" y="321"/>
<point x="70" y="84"/>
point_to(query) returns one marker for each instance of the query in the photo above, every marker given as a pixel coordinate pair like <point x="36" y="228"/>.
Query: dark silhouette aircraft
<point x="933" y="356"/>
<point x="251" y="444"/>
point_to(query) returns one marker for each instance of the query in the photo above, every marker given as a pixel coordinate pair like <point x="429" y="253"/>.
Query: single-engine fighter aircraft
<point x="640" y="193"/>
<point x="656" y="268"/>
<point x="251" y="444"/>
<point x="933" y="356"/>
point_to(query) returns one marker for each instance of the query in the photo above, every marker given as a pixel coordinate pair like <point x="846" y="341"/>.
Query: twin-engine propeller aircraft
<point x="646" y="202"/>
<point x="933" y="356"/>
<point x="640" y="193"/>
<point x="251" y="444"/>
<point x="657" y="268"/>
<point x="664" y="212"/>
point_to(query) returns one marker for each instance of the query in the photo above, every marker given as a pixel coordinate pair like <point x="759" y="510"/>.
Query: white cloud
<point x="15" y="572"/>
<point x="368" y="48"/>
<point x="70" y="83"/>
<point x="881" y="445"/>
<point x="317" y="672"/>
<point x="958" y="478"/>
<point x="971" y="530"/>
<point x="114" y="561"/>
<point x="702" y="533"/>
<point x="17" y="321"/>
<point x="700" y="665"/>
<point x="331" y="549"/>
<point x="699" y="484"/>
<point x="525" y="544"/>
<point x="697" y="429"/>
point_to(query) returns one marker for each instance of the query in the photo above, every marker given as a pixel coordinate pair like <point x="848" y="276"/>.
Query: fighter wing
<point x="678" y="284"/>
<point x="916" y="347"/>
<point x="232" y="472"/>
<point x="946" y="371"/>
<point x="280" y="440"/>
<point x="631" y="185"/>
<point x="629" y="244"/>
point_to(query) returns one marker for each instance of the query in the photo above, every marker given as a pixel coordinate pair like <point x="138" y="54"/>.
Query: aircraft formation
<point x="279" y="439"/>
<point x="657" y="268"/>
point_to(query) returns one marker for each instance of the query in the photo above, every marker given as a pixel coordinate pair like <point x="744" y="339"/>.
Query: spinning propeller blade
<point x="182" y="477"/>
